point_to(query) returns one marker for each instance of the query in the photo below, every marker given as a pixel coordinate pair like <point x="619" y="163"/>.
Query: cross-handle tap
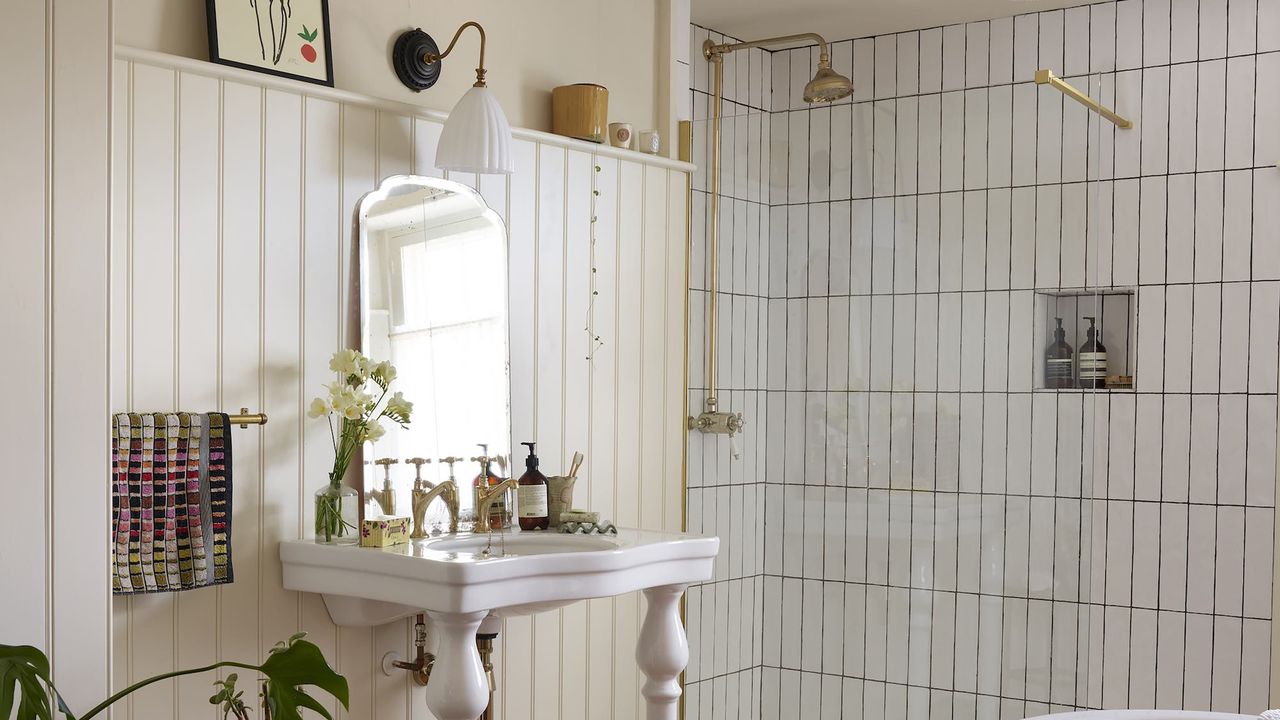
<point x="447" y="491"/>
<point x="485" y="498"/>
<point x="450" y="461"/>
<point x="386" y="497"/>
<point x="418" y="482"/>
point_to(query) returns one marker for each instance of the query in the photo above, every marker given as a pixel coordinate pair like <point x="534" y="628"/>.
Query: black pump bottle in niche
<point x="1058" y="372"/>
<point x="1092" y="359"/>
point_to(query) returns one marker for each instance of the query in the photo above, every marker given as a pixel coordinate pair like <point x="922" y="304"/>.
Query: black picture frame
<point x="216" y="56"/>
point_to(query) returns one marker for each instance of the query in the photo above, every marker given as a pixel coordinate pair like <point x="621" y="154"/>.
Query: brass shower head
<point x="827" y="85"/>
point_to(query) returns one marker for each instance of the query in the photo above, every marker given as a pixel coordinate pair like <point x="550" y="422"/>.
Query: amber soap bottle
<point x="1057" y="361"/>
<point x="531" y="494"/>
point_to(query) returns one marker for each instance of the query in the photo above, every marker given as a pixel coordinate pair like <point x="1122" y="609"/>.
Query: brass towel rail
<point x="245" y="418"/>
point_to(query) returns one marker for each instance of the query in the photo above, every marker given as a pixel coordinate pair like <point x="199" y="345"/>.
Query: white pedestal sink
<point x="460" y="579"/>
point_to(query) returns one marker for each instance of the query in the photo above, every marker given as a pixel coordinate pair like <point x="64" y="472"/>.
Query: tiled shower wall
<point x="941" y="539"/>
<point x="726" y="478"/>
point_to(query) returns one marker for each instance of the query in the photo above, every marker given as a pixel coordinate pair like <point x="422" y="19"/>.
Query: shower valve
<point x="718" y="423"/>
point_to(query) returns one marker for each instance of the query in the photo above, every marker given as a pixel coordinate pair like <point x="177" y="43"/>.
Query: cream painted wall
<point x="230" y="251"/>
<point x="533" y="47"/>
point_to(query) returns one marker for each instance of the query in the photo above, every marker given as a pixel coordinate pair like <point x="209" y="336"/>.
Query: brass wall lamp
<point x="476" y="137"/>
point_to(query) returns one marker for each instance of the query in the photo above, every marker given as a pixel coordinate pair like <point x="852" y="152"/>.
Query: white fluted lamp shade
<point x="476" y="137"/>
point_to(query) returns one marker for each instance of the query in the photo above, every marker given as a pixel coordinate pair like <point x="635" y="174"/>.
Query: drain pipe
<point x="420" y="667"/>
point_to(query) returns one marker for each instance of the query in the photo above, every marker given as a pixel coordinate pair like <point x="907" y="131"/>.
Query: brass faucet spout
<point x="485" y="498"/>
<point x="447" y="491"/>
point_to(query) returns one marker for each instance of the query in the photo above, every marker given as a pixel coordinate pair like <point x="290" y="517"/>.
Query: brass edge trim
<point x="685" y="148"/>
<point x="686" y="144"/>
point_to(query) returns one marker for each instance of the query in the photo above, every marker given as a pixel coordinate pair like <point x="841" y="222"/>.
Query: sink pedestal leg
<point x="458" y="689"/>
<point x="662" y="651"/>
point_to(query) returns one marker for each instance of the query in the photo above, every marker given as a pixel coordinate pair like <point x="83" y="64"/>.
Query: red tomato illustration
<point x="308" y="36"/>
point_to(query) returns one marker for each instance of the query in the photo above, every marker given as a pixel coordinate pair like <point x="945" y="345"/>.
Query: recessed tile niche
<point x="1115" y="312"/>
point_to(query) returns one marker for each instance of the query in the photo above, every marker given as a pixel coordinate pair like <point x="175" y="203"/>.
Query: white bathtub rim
<point x="1143" y="715"/>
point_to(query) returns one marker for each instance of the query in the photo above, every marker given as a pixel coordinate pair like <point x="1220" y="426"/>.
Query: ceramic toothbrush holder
<point x="559" y="497"/>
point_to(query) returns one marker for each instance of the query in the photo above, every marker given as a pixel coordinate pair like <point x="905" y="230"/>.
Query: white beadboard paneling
<point x="57" y="199"/>
<point x="245" y="237"/>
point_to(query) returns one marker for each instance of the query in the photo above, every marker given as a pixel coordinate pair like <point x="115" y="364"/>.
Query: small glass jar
<point x="337" y="515"/>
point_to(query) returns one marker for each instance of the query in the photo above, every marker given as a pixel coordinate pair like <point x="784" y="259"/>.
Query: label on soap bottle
<point x="1093" y="365"/>
<point x="532" y="500"/>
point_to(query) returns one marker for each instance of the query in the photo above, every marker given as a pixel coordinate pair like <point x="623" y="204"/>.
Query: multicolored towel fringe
<point x="171" y="501"/>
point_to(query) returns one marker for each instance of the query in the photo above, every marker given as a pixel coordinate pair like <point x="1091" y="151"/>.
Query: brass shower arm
<point x="713" y="51"/>
<point x="430" y="58"/>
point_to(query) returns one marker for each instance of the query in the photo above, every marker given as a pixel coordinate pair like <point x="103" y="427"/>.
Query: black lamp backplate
<point x="407" y="59"/>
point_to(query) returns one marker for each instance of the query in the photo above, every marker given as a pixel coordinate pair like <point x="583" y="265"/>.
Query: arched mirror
<point x="433" y="301"/>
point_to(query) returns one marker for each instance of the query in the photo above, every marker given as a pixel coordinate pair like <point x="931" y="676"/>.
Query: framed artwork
<point x="288" y="38"/>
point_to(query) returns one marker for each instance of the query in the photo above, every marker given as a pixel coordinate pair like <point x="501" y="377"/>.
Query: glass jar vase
<point x="337" y="515"/>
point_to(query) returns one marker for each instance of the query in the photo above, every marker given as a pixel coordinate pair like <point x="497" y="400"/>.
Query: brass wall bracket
<point x="1046" y="77"/>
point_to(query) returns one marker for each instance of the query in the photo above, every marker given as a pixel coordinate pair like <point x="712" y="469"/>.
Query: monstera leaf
<point x="291" y="665"/>
<point x="24" y="680"/>
<point x="24" y="675"/>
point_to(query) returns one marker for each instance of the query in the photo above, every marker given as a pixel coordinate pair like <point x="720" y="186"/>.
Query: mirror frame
<point x="386" y="188"/>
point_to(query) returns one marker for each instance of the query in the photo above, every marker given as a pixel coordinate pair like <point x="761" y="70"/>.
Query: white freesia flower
<point x="373" y="432"/>
<point x="346" y="362"/>
<point x="318" y="408"/>
<point x="398" y="408"/>
<point x="384" y="372"/>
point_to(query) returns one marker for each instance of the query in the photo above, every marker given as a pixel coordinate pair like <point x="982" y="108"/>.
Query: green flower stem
<point x="176" y="673"/>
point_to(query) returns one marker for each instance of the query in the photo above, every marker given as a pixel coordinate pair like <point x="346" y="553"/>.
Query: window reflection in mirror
<point x="434" y="302"/>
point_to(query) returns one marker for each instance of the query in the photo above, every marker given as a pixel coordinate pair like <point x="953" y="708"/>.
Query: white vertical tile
<point x="1242" y="27"/>
<point x="1177" y="345"/>
<point x="864" y="71"/>
<point x="1102" y="38"/>
<point x="1260" y="464"/>
<point x="1264" y="333"/>
<point x="1185" y="28"/>
<point x="1227" y="640"/>
<point x="1235" y="334"/>
<point x="1237" y="231"/>
<point x="1241" y="113"/>
<point x="1208" y="227"/>
<point x="1155" y="32"/>
<point x="1182" y="118"/>
<point x="886" y="50"/>
<point x="1001" y="61"/>
<point x="1213" y="29"/>
<point x="953" y="56"/>
<point x="929" y="144"/>
<point x="1268" y="26"/>
<point x="1128" y="27"/>
<point x="1154" y="127"/>
<point x="1210" y="114"/>
<point x="1207" y="309"/>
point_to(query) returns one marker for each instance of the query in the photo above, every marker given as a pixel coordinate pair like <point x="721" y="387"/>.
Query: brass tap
<point x="386" y="497"/>
<point x="418" y="482"/>
<point x="448" y="491"/>
<point x="485" y="498"/>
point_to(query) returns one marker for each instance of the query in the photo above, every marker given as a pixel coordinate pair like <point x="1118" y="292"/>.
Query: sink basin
<point x="459" y="580"/>
<point x="507" y="573"/>
<point x="500" y="545"/>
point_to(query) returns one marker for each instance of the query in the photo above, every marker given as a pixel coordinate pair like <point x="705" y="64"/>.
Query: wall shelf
<point x="1116" y="311"/>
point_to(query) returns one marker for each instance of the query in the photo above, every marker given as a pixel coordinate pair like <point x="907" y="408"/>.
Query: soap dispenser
<point x="531" y="494"/>
<point x="1092" y="359"/>
<point x="1057" y="361"/>
<point x="497" y="511"/>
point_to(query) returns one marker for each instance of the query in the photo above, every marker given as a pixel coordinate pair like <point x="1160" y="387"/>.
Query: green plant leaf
<point x="309" y="35"/>
<point x="293" y="665"/>
<point x="24" y="677"/>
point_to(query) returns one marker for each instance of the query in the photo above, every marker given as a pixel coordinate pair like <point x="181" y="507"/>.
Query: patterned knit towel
<point x="171" y="501"/>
